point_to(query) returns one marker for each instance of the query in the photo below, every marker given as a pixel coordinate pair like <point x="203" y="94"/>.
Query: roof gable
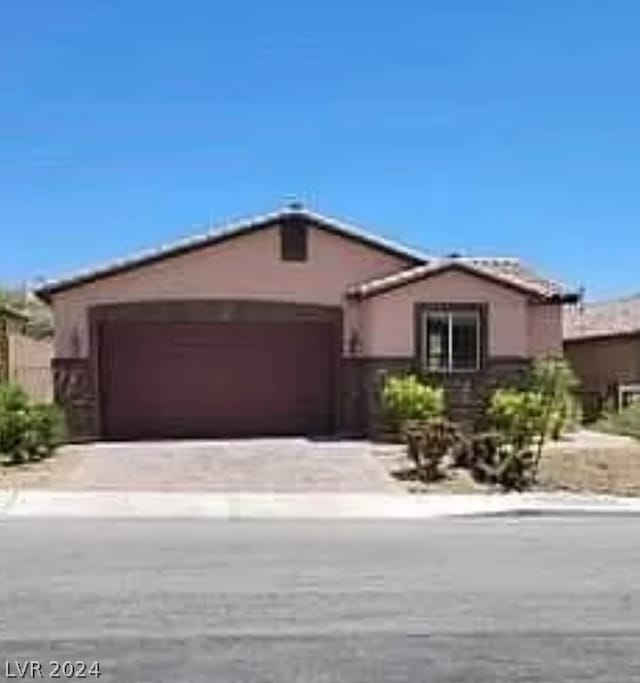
<point x="233" y="231"/>
<point x="504" y="272"/>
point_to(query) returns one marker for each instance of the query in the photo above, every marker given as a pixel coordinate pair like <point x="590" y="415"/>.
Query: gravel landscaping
<point x="582" y="461"/>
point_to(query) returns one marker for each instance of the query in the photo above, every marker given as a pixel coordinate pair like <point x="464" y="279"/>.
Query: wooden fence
<point x="30" y="365"/>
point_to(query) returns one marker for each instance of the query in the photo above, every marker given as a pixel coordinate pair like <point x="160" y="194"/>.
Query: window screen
<point x="452" y="340"/>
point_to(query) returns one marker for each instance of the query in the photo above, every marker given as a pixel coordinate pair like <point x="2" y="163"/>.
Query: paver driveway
<point x="263" y="465"/>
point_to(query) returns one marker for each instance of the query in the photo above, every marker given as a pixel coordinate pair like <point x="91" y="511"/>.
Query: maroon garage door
<point x="217" y="379"/>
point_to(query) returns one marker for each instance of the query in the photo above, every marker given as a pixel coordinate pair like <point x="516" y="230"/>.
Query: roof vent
<point x="295" y="205"/>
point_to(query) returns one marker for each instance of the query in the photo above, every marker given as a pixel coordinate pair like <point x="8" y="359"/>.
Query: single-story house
<point x="284" y="325"/>
<point x="602" y="343"/>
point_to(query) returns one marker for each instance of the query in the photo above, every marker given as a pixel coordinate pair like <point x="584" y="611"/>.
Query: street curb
<point x="35" y="503"/>
<point x="7" y="497"/>
<point x="114" y="504"/>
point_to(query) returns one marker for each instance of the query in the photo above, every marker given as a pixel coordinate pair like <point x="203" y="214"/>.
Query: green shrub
<point x="46" y="429"/>
<point x="12" y="397"/>
<point x="518" y="415"/>
<point x="558" y="384"/>
<point x="428" y="442"/>
<point x="28" y="431"/>
<point x="522" y="420"/>
<point x="14" y="423"/>
<point x="406" y="398"/>
<point x="626" y="422"/>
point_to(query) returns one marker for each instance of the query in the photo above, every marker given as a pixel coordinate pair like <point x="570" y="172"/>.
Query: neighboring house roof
<point x="10" y="312"/>
<point x="508" y="272"/>
<point x="603" y="319"/>
<point x="230" y="231"/>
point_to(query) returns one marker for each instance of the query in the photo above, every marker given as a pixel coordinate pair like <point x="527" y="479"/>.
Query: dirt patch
<point x="49" y="473"/>
<point x="454" y="480"/>
<point x="614" y="470"/>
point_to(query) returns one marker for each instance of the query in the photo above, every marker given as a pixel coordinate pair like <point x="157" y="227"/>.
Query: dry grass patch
<point x="601" y="470"/>
<point x="394" y="459"/>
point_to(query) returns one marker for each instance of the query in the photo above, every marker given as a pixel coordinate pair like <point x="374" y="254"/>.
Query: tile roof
<point x="603" y="319"/>
<point x="507" y="271"/>
<point x="228" y="231"/>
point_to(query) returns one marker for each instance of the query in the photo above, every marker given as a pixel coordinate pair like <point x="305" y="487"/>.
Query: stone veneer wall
<point x="361" y="384"/>
<point x="74" y="392"/>
<point x="466" y="394"/>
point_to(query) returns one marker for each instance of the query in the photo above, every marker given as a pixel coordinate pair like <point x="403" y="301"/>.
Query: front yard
<point x="591" y="461"/>
<point x="584" y="461"/>
<point x="525" y="442"/>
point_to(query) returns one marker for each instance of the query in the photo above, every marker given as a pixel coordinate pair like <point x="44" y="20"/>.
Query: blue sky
<point x="507" y="128"/>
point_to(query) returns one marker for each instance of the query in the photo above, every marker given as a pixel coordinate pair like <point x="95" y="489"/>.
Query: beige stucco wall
<point x="545" y="330"/>
<point x="248" y="267"/>
<point x="602" y="363"/>
<point x="515" y="327"/>
<point x="30" y="365"/>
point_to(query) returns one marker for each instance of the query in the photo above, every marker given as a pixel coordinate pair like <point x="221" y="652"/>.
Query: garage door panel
<point x="217" y="379"/>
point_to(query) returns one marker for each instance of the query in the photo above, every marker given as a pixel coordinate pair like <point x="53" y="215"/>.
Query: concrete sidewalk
<point x="320" y="506"/>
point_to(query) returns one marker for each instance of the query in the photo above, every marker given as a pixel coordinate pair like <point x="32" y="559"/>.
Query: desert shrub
<point x="406" y="398"/>
<point x="477" y="453"/>
<point x="557" y="383"/>
<point x="428" y="442"/>
<point x="515" y="468"/>
<point x="493" y="459"/>
<point x="625" y="422"/>
<point x="28" y="431"/>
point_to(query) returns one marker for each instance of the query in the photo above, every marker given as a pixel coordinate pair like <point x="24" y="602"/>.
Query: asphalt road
<point x="466" y="601"/>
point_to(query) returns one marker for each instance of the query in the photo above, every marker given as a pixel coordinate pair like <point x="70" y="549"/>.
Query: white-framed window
<point x="628" y="394"/>
<point x="451" y="340"/>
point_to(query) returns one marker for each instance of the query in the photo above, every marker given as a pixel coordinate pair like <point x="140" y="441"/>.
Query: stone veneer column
<point x="74" y="391"/>
<point x="371" y="376"/>
<point x="351" y="418"/>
